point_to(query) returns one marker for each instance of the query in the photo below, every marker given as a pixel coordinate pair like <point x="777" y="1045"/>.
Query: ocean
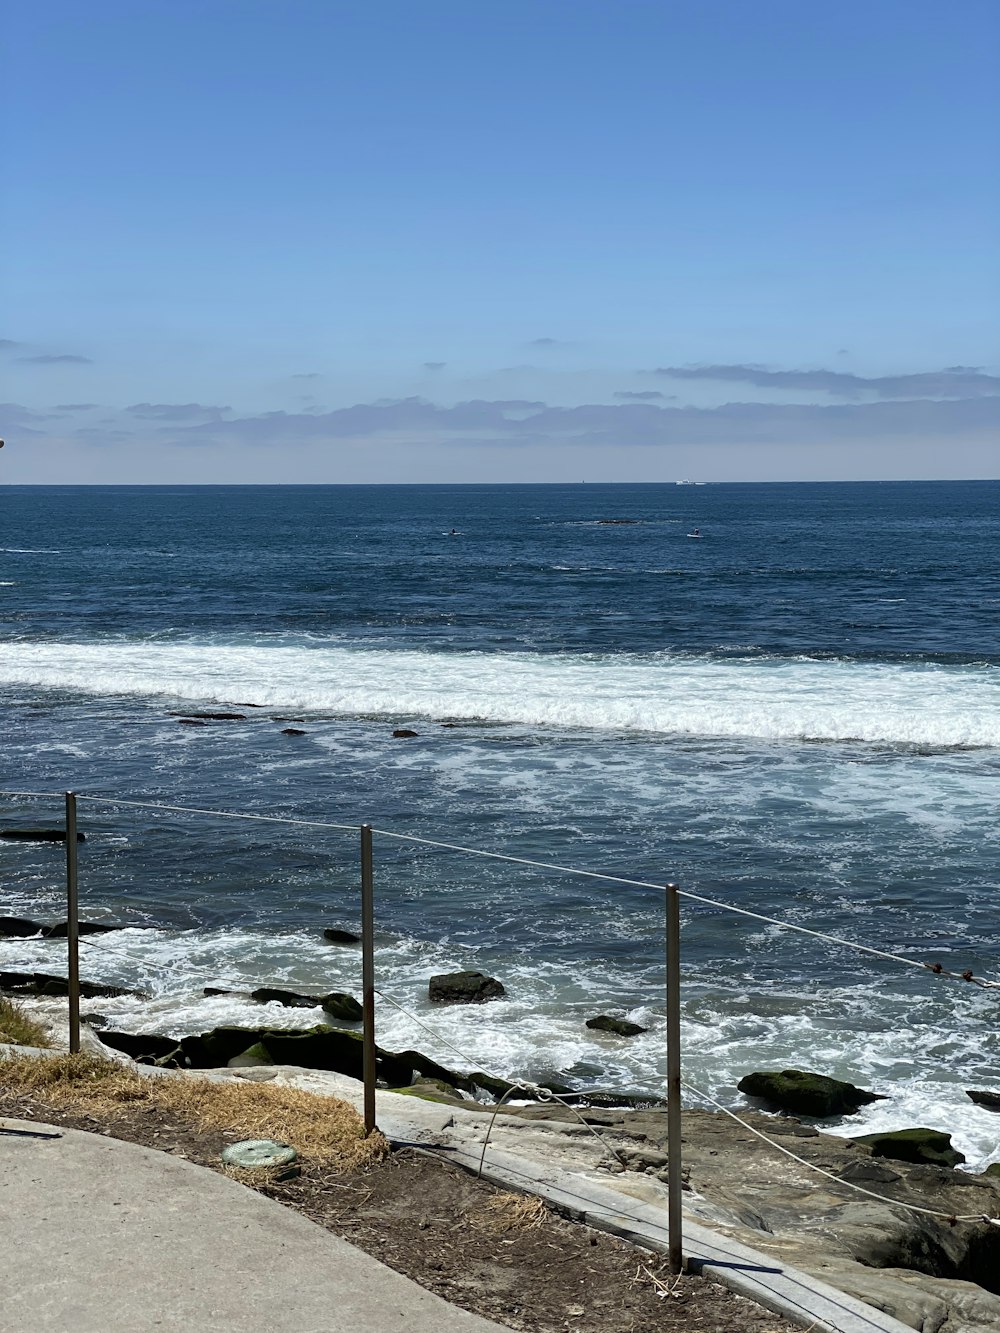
<point x="796" y="712"/>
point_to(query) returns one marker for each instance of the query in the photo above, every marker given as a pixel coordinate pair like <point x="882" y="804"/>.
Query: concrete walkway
<point x="102" y="1236"/>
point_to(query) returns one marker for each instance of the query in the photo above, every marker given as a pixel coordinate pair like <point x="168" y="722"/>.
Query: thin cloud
<point x="958" y="382"/>
<point x="60" y="360"/>
<point x="176" y="411"/>
<point x="307" y="375"/>
<point x="514" y="421"/>
<point x="5" y="343"/>
<point x="640" y="395"/>
<point x="548" y="342"/>
<point x="75" y="407"/>
<point x="435" y="365"/>
<point x="16" y="414"/>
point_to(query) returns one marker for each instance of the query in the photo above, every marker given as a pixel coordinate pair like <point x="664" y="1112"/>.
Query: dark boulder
<point x="914" y="1145"/>
<point x="218" y="990"/>
<point x="292" y="731"/>
<point x="404" y="733"/>
<point x="19" y="927"/>
<point x="803" y="1093"/>
<point x="463" y="988"/>
<point x="37" y="835"/>
<point x="334" y="936"/>
<point x="991" y="1100"/>
<point x="621" y="1027"/>
<point x="319" y="1047"/>
<point x="142" y="1046"/>
<point x="343" y="1007"/>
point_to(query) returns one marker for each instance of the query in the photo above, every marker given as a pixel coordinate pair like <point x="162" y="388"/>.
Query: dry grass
<point x="324" y="1130"/>
<point x="18" y="1029"/>
<point x="513" y="1212"/>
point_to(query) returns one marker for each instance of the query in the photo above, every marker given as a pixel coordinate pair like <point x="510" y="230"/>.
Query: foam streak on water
<point x="774" y="699"/>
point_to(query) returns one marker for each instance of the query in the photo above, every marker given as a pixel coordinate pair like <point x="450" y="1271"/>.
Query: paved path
<point x="102" y="1236"/>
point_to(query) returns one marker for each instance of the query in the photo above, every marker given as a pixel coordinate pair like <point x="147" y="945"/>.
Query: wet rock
<point x="913" y="1145"/>
<point x="37" y="835"/>
<point x="290" y="998"/>
<point x="802" y="1093"/>
<point x="211" y="717"/>
<point x="40" y="983"/>
<point x="621" y="1027"/>
<point x="463" y="988"/>
<point x="18" y="927"/>
<point x="991" y="1100"/>
<point x="337" y="1004"/>
<point x="343" y="1007"/>
<point x="333" y="935"/>
<point x="292" y="731"/>
<point x="218" y="990"/>
<point x="58" y="931"/>
<point x="404" y="733"/>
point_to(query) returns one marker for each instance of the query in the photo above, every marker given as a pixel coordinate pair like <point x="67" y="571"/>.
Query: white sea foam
<point x="771" y="699"/>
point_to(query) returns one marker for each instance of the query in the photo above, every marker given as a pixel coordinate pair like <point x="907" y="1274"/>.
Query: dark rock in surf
<point x="621" y="1027"/>
<point x="40" y="983"/>
<point x="404" y="733"/>
<point x="991" y="1100"/>
<point x="336" y="1004"/>
<point x="18" y="927"/>
<point x="58" y="931"/>
<point x="292" y="731"/>
<point x="37" y="835"/>
<point x="913" y="1145"/>
<point x="802" y="1093"/>
<point x="334" y="936"/>
<point x="192" y="722"/>
<point x="217" y="990"/>
<point x="463" y="988"/>
<point x="211" y="717"/>
<point x="343" y="1007"/>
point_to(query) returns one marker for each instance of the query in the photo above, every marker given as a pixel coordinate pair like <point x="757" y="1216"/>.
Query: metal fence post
<point x="368" y="974"/>
<point x="673" y="960"/>
<point x="72" y="926"/>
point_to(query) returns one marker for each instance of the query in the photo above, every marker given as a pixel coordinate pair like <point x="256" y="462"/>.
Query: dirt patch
<point x="500" y="1255"/>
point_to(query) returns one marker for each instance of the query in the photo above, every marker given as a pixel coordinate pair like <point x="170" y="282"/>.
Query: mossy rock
<point x="254" y="1055"/>
<point x="993" y="1170"/>
<point x="343" y="1007"/>
<point x="932" y="1146"/>
<point x="802" y="1093"/>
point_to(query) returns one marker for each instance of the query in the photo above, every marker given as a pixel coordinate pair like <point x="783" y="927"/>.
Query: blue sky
<point x="317" y="241"/>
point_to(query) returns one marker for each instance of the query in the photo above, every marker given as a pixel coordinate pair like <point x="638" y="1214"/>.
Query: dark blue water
<point x="798" y="711"/>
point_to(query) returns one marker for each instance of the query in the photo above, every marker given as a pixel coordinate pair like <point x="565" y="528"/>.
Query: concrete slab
<point x="102" y="1236"/>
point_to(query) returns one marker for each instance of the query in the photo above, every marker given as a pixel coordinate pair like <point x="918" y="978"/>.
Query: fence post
<point x="72" y="926"/>
<point x="368" y="974"/>
<point x="673" y="960"/>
